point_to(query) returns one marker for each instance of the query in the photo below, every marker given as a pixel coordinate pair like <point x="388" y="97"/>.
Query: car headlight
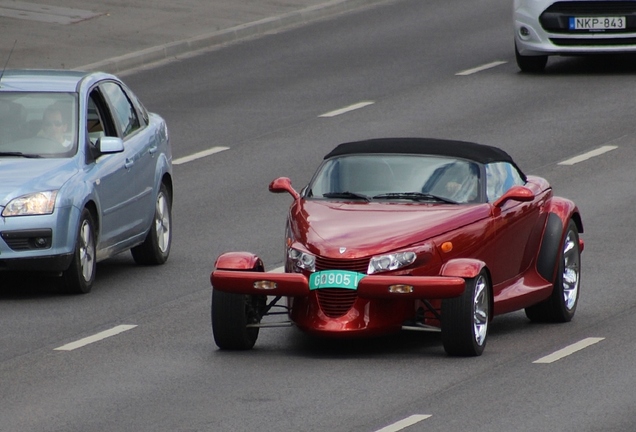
<point x="39" y="203"/>
<point x="393" y="261"/>
<point x="301" y="259"/>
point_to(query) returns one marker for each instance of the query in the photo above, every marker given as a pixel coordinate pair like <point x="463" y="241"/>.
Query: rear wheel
<point x="533" y="64"/>
<point x="465" y="319"/>
<point x="79" y="277"/>
<point x="231" y="315"/>
<point x="561" y="305"/>
<point x="156" y="247"/>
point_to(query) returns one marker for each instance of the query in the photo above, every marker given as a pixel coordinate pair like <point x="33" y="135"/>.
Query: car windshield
<point x="34" y="124"/>
<point x="416" y="178"/>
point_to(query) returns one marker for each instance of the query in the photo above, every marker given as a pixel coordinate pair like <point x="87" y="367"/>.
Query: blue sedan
<point x="85" y="173"/>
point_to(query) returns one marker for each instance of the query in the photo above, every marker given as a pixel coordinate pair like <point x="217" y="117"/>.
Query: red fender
<point x="560" y="211"/>
<point x="565" y="210"/>
<point x="466" y="268"/>
<point x="239" y="261"/>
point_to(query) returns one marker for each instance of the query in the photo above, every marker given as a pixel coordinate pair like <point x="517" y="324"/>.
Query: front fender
<point x="466" y="268"/>
<point x="565" y="210"/>
<point x="239" y="261"/>
<point x="560" y="211"/>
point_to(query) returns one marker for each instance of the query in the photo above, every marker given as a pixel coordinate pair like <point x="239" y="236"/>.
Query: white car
<point x="567" y="27"/>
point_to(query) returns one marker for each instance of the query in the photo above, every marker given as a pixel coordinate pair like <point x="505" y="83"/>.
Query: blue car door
<point x="140" y="147"/>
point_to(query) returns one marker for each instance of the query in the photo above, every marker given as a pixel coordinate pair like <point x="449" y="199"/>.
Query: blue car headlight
<point x="38" y="203"/>
<point x="392" y="261"/>
<point x="301" y="260"/>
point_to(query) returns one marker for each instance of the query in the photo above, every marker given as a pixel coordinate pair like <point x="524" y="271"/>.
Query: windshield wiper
<point x="20" y="154"/>
<point x="346" y="194"/>
<point x="415" y="196"/>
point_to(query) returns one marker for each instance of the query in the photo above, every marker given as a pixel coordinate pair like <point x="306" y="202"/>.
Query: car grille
<point x="593" y="41"/>
<point x="555" y="18"/>
<point x="359" y="265"/>
<point x="335" y="302"/>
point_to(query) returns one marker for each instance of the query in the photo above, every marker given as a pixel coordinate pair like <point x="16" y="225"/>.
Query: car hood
<point x="365" y="229"/>
<point x="19" y="176"/>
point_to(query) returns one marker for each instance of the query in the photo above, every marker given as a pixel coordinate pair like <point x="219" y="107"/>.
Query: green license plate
<point x="335" y="279"/>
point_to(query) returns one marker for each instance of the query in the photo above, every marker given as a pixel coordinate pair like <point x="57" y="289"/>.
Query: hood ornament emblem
<point x="342" y="250"/>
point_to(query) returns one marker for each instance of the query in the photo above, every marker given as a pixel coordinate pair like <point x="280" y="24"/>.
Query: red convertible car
<point x="408" y="233"/>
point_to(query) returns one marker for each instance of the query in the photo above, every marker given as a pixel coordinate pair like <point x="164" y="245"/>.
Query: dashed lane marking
<point x="347" y="109"/>
<point x="95" y="338"/>
<point x="585" y="156"/>
<point x="403" y="424"/>
<point x="481" y="68"/>
<point x="199" y="155"/>
<point x="569" y="350"/>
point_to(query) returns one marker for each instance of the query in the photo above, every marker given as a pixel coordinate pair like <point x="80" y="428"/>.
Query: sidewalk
<point x="119" y="35"/>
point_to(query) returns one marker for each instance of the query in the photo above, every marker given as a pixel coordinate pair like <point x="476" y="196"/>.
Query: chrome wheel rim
<point x="86" y="251"/>
<point x="571" y="269"/>
<point x="481" y="309"/>
<point x="162" y="223"/>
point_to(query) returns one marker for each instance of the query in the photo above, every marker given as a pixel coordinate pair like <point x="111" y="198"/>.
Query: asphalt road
<point x="420" y="63"/>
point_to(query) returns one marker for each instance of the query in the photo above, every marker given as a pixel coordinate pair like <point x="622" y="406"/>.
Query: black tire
<point x="531" y="64"/>
<point x="231" y="313"/>
<point x="561" y="305"/>
<point x="79" y="277"/>
<point x="156" y="247"/>
<point x="465" y="319"/>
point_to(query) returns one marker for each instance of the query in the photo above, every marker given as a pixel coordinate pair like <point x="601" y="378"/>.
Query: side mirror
<point x="515" y="193"/>
<point x="107" y="145"/>
<point x="283" y="184"/>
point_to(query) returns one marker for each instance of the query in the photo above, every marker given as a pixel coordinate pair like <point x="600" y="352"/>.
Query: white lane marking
<point x="95" y="338"/>
<point x="199" y="155"/>
<point x="347" y="109"/>
<point x="585" y="156"/>
<point x="481" y="68"/>
<point x="280" y="269"/>
<point x="402" y="424"/>
<point x="568" y="350"/>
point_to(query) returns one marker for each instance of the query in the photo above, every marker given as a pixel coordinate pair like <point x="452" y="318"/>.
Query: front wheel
<point x="561" y="305"/>
<point x="156" y="247"/>
<point x="79" y="277"/>
<point x="231" y="315"/>
<point x="465" y="319"/>
<point x="531" y="64"/>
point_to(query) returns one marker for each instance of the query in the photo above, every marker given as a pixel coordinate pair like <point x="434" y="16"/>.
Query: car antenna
<point x="7" y="62"/>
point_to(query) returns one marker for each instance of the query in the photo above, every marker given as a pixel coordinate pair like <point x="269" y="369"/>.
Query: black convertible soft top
<point x="431" y="146"/>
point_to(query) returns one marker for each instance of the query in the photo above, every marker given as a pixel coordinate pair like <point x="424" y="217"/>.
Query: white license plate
<point x="597" y="23"/>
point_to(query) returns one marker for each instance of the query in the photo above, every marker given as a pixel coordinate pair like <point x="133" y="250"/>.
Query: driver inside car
<point x="54" y="126"/>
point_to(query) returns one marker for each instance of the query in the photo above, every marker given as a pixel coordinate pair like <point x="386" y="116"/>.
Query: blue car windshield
<point x="397" y="177"/>
<point x="38" y="124"/>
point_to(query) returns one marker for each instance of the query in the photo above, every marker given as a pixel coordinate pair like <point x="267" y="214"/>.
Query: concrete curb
<point x="148" y="56"/>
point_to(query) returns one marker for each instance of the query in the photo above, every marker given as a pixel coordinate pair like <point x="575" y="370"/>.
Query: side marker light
<point x="401" y="289"/>
<point x="265" y="285"/>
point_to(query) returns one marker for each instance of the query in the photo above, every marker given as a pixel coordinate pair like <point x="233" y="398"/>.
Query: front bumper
<point x="370" y="310"/>
<point x="55" y="263"/>
<point x="38" y="243"/>
<point x="370" y="287"/>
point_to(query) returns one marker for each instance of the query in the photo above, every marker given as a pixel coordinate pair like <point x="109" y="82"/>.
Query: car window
<point x="501" y="176"/>
<point x="373" y="175"/>
<point x="123" y="111"/>
<point x="38" y="123"/>
<point x="94" y="122"/>
<point x="144" y="118"/>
